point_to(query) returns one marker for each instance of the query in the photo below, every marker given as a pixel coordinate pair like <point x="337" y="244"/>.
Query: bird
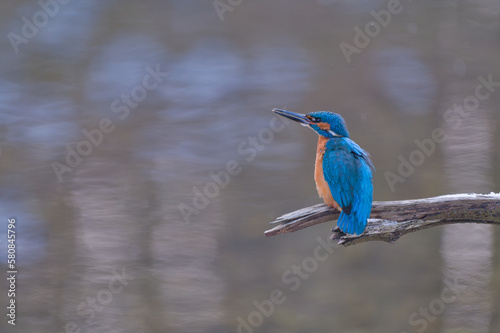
<point x="343" y="170"/>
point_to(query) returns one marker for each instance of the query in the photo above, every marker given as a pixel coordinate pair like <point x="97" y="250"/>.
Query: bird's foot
<point x="337" y="233"/>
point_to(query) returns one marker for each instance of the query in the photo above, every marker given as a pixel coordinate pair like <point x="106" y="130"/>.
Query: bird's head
<point x="325" y="123"/>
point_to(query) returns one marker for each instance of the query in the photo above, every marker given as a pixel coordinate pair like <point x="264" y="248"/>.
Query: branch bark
<point x="389" y="220"/>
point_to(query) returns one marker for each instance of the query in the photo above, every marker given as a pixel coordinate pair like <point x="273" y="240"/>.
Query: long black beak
<point x="298" y="117"/>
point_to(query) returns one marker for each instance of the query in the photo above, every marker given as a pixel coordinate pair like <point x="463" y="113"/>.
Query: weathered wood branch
<point x="389" y="220"/>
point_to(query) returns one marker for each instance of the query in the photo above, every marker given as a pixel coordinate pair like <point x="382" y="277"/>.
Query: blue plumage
<point x="348" y="171"/>
<point x="343" y="172"/>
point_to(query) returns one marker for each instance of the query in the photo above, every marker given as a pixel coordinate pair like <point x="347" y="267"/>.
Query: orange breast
<point x="319" y="177"/>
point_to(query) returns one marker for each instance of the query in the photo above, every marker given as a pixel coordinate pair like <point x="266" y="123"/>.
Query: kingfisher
<point x="343" y="170"/>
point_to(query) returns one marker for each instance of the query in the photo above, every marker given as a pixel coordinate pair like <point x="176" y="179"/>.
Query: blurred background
<point x="142" y="163"/>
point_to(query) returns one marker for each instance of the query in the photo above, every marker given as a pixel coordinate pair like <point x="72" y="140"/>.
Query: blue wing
<point x="348" y="171"/>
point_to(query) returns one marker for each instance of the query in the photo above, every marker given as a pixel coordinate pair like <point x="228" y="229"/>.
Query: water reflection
<point x="415" y="91"/>
<point x="107" y="249"/>
<point x="467" y="250"/>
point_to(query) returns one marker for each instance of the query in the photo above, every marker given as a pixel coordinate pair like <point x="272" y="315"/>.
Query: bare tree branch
<point x="390" y="220"/>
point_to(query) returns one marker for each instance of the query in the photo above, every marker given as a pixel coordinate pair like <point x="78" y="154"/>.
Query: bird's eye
<point x="311" y="118"/>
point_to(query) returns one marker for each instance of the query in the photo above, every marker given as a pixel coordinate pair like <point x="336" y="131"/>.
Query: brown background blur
<point x="105" y="247"/>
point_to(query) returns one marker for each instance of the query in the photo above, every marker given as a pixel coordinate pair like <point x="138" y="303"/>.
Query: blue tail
<point x="351" y="223"/>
